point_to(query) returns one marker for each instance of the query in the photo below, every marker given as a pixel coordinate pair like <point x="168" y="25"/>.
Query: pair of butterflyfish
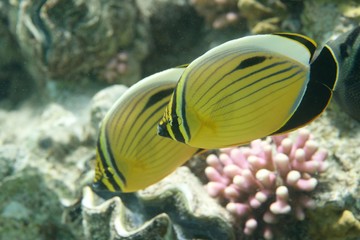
<point x="239" y="91"/>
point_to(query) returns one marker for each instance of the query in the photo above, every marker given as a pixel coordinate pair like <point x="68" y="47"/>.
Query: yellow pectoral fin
<point x="199" y="128"/>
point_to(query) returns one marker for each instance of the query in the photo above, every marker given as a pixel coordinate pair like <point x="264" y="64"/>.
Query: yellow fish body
<point x="249" y="88"/>
<point x="130" y="155"/>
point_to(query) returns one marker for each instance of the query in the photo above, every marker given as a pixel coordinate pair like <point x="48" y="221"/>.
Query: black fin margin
<point x="318" y="93"/>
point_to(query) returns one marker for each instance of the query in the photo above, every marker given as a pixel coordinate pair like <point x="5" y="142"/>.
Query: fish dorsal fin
<point x="309" y="43"/>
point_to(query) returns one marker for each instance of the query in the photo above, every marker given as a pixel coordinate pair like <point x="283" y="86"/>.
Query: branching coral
<point x="259" y="183"/>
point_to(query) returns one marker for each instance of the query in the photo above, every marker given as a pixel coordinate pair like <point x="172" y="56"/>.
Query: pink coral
<point x="272" y="182"/>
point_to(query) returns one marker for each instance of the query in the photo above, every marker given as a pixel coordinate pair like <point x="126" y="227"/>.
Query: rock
<point x="218" y="14"/>
<point x="59" y="132"/>
<point x="102" y="101"/>
<point x="339" y="186"/>
<point x="173" y="27"/>
<point x="337" y="224"/>
<point x="15" y="81"/>
<point x="29" y="209"/>
<point x="320" y="28"/>
<point x="263" y="16"/>
<point x="12" y="159"/>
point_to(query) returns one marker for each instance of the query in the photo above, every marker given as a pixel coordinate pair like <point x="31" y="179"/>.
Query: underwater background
<point x="63" y="63"/>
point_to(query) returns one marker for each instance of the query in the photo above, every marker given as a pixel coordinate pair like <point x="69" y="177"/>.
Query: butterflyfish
<point x="249" y="88"/>
<point x="130" y="155"/>
<point x="347" y="91"/>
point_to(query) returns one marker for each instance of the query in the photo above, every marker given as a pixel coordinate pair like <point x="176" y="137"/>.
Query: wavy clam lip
<point x="164" y="210"/>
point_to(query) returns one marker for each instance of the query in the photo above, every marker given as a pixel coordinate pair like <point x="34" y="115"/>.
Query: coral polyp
<point x="267" y="179"/>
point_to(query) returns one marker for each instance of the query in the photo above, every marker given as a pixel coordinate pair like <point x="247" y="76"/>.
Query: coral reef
<point x="217" y="13"/>
<point x="176" y="34"/>
<point x="336" y="224"/>
<point x="175" y="208"/>
<point x="331" y="23"/>
<point x="71" y="39"/>
<point x="263" y="16"/>
<point x="55" y="141"/>
<point x="12" y="159"/>
<point x="15" y="82"/>
<point x="70" y="42"/>
<point x="117" y="66"/>
<point x="102" y="101"/>
<point x="259" y="185"/>
<point x="340" y="190"/>
<point x="30" y="209"/>
<point x="350" y="10"/>
<point x="258" y="16"/>
<point x="47" y="142"/>
<point x="42" y="173"/>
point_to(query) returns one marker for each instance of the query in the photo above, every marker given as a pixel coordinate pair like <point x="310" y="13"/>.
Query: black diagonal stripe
<point x="249" y="62"/>
<point x="151" y="128"/>
<point x="106" y="167"/>
<point x="260" y="89"/>
<point x="156" y="98"/>
<point x="183" y="112"/>
<point x="259" y="80"/>
<point x="174" y="118"/>
<point x="210" y="62"/>
<point x="116" y="118"/>
<point x="112" y="159"/>
<point x="139" y="98"/>
<point x="163" y="94"/>
<point x="222" y="77"/>
<point x="243" y="78"/>
<point x="255" y="117"/>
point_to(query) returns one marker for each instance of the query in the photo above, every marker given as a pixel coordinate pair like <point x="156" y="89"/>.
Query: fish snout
<point x="162" y="130"/>
<point x="98" y="187"/>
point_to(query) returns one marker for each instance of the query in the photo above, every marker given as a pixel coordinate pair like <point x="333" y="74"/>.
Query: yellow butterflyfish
<point x="250" y="88"/>
<point x="130" y="155"/>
